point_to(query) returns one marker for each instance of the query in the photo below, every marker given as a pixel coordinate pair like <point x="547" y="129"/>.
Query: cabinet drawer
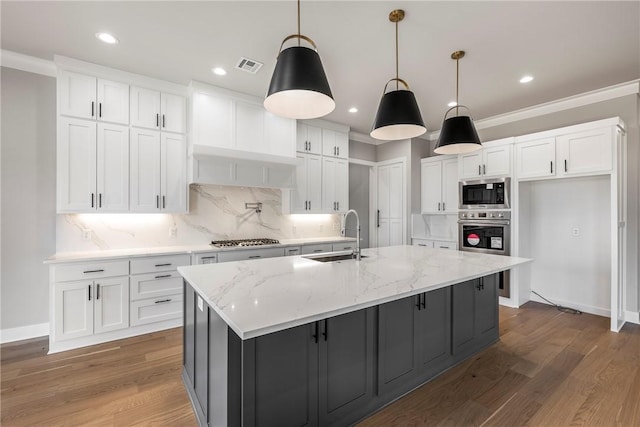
<point x="346" y="246"/>
<point x="292" y="251"/>
<point x="314" y="249"/>
<point x="158" y="263"/>
<point x="443" y="244"/>
<point x="250" y="254"/>
<point x="92" y="270"/>
<point x="205" y="258"/>
<point x="156" y="309"/>
<point x="422" y="242"/>
<point x="155" y="285"/>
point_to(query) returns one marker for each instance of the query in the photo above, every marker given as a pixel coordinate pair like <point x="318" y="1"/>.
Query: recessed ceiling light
<point x="107" y="38"/>
<point x="526" y="79"/>
<point x="452" y="104"/>
<point x="353" y="110"/>
<point x="219" y="71"/>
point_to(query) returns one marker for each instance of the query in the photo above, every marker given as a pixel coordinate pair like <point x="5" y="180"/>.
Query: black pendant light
<point x="299" y="87"/>
<point x="458" y="134"/>
<point x="398" y="114"/>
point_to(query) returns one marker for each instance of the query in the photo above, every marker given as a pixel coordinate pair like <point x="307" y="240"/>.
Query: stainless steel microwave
<point x="485" y="194"/>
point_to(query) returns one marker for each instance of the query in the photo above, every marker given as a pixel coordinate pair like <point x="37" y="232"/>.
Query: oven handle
<point x="481" y="223"/>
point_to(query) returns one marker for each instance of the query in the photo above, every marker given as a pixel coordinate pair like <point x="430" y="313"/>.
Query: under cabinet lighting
<point x="526" y="79"/>
<point x="107" y="38"/>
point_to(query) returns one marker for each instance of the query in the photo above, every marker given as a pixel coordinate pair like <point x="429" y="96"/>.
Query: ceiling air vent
<point x="249" y="65"/>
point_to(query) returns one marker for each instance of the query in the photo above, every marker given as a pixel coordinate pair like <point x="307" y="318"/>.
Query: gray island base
<point x="335" y="371"/>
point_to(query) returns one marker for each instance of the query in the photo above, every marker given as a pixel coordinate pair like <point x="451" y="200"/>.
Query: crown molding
<point x="563" y="104"/>
<point x="27" y="63"/>
<point x="361" y="137"/>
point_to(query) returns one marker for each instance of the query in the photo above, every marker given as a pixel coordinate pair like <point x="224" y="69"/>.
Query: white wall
<point x="28" y="196"/>
<point x="567" y="269"/>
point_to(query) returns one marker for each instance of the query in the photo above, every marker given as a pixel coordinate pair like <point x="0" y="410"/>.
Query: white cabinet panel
<point x="439" y="184"/>
<point x="346" y="246"/>
<point x="317" y="248"/>
<point x="342" y="144"/>
<point x="73" y="308"/>
<point x="113" y="102"/>
<point x="111" y="304"/>
<point x="586" y="152"/>
<point x="390" y="221"/>
<point x="173" y="173"/>
<point x="431" y="183"/>
<point x="249" y="254"/>
<point x="76" y="165"/>
<point x="422" y="242"/>
<point x="173" y="110"/>
<point x="158" y="264"/>
<point x="212" y="121"/>
<point x="335" y="144"/>
<point x="113" y="168"/>
<point x="470" y="165"/>
<point x="299" y="194"/>
<point x="145" y="108"/>
<point x="77" y="95"/>
<point x="395" y="191"/>
<point x="156" y="309"/>
<point x="384" y="232"/>
<point x="536" y="159"/>
<point x="395" y="232"/>
<point x="309" y="139"/>
<point x="342" y="185"/>
<point x="335" y="185"/>
<point x="155" y="285"/>
<point x="450" y="186"/>
<point x="145" y="171"/>
<point x="279" y="132"/>
<point x="496" y="161"/>
<point x="249" y="127"/>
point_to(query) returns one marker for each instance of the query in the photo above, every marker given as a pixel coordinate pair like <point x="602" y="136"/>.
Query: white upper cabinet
<point x="586" y="152"/>
<point x="307" y="195"/>
<point x="93" y="167"/>
<point x="335" y="144"/>
<point x="213" y="120"/>
<point x="158" y="172"/>
<point x="309" y="139"/>
<point x="88" y="97"/>
<point x="489" y="162"/>
<point x="278" y="131"/>
<point x="249" y="127"/>
<point x="536" y="158"/>
<point x="152" y="109"/>
<point x="335" y="185"/>
<point x="439" y="185"/>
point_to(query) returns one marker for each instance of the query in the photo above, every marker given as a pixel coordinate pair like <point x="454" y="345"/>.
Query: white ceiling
<point x="569" y="47"/>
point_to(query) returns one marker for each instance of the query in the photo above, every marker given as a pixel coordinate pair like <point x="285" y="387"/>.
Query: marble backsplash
<point x="215" y="213"/>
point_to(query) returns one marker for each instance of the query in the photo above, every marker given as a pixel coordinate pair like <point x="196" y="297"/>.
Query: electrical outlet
<point x="86" y="235"/>
<point x="294" y="229"/>
<point x="575" y="231"/>
<point x="173" y="232"/>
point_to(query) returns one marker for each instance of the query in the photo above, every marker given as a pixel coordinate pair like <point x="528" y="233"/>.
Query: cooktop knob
<point x="500" y="215"/>
<point x="492" y="215"/>
<point x="472" y="215"/>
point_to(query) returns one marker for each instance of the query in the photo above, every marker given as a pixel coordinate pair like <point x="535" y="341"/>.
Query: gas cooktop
<point x="244" y="242"/>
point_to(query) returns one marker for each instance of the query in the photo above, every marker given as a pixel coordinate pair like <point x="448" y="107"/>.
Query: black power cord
<point x="559" y="307"/>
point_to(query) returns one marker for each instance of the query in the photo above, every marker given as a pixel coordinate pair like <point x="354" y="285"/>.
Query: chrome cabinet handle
<point x="163" y="265"/>
<point x="162" y="276"/>
<point x="93" y="271"/>
<point x="162" y="300"/>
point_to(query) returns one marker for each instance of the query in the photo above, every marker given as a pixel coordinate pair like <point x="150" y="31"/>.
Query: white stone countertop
<point x="268" y="295"/>
<point x="185" y="249"/>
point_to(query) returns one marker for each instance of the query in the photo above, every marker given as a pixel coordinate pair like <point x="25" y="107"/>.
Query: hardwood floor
<point x="549" y="369"/>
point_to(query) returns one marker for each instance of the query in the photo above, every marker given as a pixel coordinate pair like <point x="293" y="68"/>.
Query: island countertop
<point x="262" y="296"/>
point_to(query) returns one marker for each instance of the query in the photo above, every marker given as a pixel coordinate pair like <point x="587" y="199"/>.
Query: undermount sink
<point x="328" y="257"/>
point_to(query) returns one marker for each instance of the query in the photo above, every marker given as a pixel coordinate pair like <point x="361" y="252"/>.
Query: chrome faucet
<point x="343" y="231"/>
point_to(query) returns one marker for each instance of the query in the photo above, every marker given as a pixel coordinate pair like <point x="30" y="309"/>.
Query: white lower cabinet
<point x="317" y="248"/>
<point x="86" y="307"/>
<point x="249" y="254"/>
<point x="156" y="310"/>
<point x="439" y="185"/>
<point x="335" y="185"/>
<point x="436" y="244"/>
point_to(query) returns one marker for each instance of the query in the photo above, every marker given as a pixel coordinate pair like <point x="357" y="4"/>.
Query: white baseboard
<point x="24" y="333"/>
<point x="598" y="311"/>
<point x="632" y="317"/>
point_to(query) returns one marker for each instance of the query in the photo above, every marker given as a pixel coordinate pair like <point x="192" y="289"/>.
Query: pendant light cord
<point x="457" y="84"/>
<point x="397" y="60"/>
<point x="298" y="22"/>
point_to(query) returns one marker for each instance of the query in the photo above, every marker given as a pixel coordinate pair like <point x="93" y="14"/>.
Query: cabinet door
<point x="173" y="173"/>
<point x="486" y="307"/>
<point x="113" y="168"/>
<point x="342" y="185"/>
<point x="585" y="152"/>
<point x="249" y="127"/>
<point x="314" y="183"/>
<point x="145" y="171"/>
<point x="173" y="113"/>
<point x="201" y="354"/>
<point x="345" y="367"/>
<point x="383" y="232"/>
<point x="497" y="161"/>
<point x="536" y="159"/>
<point x="450" y="186"/>
<point x="280" y="135"/>
<point x="463" y="306"/>
<point x="76" y="166"/>
<point x="73" y="305"/>
<point x="329" y="184"/>
<point x="212" y="121"/>
<point x="470" y="165"/>
<point x="111" y="304"/>
<point x="145" y="108"/>
<point x="113" y="102"/>
<point x="77" y="95"/>
<point x="342" y="144"/>
<point x="299" y="193"/>
<point x="280" y="381"/>
<point x="188" y="356"/>
<point x="314" y="136"/>
<point x="397" y="352"/>
<point x="431" y="185"/>
<point x="302" y="143"/>
<point x="422" y="242"/>
<point x="433" y="331"/>
<point x="329" y="147"/>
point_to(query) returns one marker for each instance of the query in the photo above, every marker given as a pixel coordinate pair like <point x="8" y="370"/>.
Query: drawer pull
<point x="163" y="265"/>
<point x="255" y="256"/>
<point x="162" y="301"/>
<point x="346" y="248"/>
<point x="319" y="250"/>
<point x="209" y="257"/>
<point x="421" y="244"/>
<point x="163" y="276"/>
<point x="93" y="271"/>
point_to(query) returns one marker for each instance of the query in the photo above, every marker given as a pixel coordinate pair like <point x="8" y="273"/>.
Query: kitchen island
<point x="295" y="341"/>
